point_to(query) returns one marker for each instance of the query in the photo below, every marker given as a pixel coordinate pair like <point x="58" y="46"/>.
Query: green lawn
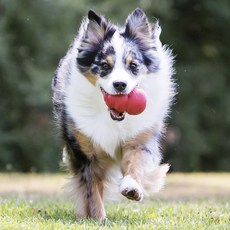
<point x="189" y="201"/>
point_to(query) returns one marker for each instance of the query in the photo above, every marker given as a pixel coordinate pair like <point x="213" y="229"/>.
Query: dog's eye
<point x="105" y="66"/>
<point x="133" y="66"/>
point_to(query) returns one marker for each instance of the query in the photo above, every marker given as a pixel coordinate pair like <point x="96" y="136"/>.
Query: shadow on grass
<point x="61" y="211"/>
<point x="67" y="216"/>
<point x="63" y="215"/>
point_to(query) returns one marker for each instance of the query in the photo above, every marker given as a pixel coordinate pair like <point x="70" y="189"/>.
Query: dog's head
<point x="115" y="59"/>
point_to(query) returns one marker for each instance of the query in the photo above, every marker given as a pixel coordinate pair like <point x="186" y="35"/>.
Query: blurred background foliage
<point x="34" y="35"/>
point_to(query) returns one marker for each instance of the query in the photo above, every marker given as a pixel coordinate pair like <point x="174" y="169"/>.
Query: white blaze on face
<point x="119" y="72"/>
<point x="119" y="47"/>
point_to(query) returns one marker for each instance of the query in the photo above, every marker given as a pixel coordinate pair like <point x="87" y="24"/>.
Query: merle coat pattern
<point x="104" y="147"/>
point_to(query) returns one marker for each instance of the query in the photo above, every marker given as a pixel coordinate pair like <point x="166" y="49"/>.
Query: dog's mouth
<point x="115" y="115"/>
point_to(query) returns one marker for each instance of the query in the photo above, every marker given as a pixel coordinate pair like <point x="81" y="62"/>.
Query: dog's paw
<point x="131" y="189"/>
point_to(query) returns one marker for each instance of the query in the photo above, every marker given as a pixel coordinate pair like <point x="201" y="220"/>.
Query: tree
<point x="36" y="34"/>
<point x="32" y="32"/>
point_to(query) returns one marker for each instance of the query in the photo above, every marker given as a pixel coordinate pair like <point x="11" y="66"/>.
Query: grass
<point x="189" y="201"/>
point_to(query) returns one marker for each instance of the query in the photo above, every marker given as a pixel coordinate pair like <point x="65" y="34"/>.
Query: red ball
<point x="117" y="102"/>
<point x="133" y="103"/>
<point x="136" y="102"/>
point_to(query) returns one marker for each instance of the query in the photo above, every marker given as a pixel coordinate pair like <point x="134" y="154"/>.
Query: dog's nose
<point x="120" y="86"/>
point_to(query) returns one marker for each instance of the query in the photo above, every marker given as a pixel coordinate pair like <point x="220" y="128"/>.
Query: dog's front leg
<point x="86" y="189"/>
<point x="88" y="165"/>
<point x="92" y="192"/>
<point x="132" y="169"/>
<point x="140" y="165"/>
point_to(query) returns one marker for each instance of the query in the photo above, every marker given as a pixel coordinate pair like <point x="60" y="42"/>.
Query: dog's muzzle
<point x="115" y="115"/>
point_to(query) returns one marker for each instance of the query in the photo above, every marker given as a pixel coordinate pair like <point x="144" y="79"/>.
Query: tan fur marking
<point x="96" y="207"/>
<point x="138" y="163"/>
<point x="134" y="159"/>
<point x="128" y="60"/>
<point x="130" y="162"/>
<point x="139" y="140"/>
<point x="92" y="205"/>
<point x="85" y="143"/>
<point x="91" y="149"/>
<point x="89" y="207"/>
<point x="91" y="77"/>
<point x="110" y="61"/>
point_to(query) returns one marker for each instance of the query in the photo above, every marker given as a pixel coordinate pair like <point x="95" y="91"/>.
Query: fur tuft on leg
<point x="154" y="181"/>
<point x="87" y="195"/>
<point x="86" y="186"/>
<point x="78" y="195"/>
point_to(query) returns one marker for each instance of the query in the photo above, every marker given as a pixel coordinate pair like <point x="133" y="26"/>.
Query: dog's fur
<point x="101" y="145"/>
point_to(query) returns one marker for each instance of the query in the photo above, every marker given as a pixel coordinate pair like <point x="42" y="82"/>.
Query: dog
<point x="108" y="151"/>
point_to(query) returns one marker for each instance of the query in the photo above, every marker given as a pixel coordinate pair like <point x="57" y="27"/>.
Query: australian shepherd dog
<point x="109" y="150"/>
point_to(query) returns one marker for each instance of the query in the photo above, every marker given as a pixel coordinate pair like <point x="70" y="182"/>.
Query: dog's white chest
<point x="86" y="107"/>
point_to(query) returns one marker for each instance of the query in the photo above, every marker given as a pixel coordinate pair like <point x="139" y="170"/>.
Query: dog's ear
<point x="156" y="31"/>
<point x="137" y="24"/>
<point x="96" y="31"/>
<point x="145" y="35"/>
<point x="93" y="16"/>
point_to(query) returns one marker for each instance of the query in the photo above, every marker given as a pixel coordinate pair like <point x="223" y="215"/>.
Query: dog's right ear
<point x="98" y="28"/>
<point x="96" y="31"/>
<point x="92" y="16"/>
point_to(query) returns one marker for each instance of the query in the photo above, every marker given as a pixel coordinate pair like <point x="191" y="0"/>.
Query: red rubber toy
<point x="133" y="103"/>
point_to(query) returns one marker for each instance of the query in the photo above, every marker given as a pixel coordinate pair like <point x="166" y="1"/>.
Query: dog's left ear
<point x="137" y="25"/>
<point x="146" y="36"/>
<point x="156" y="32"/>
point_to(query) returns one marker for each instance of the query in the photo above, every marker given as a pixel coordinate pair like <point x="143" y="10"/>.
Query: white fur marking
<point x="65" y="157"/>
<point x="86" y="106"/>
<point x="129" y="184"/>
